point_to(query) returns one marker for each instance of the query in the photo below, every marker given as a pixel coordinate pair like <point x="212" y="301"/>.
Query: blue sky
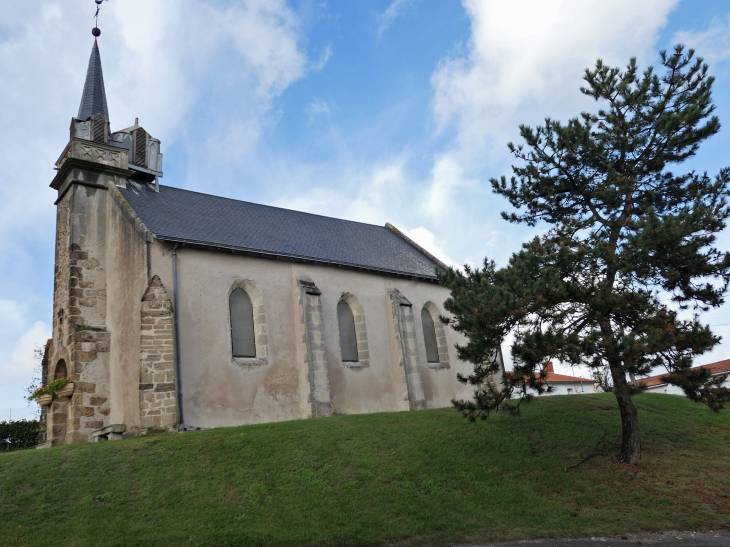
<point x="372" y="110"/>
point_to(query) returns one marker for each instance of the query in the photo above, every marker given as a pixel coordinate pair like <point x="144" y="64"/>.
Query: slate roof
<point x="93" y="100"/>
<point x="185" y="216"/>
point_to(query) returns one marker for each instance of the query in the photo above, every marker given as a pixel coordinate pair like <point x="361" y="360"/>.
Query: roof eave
<point x="293" y="257"/>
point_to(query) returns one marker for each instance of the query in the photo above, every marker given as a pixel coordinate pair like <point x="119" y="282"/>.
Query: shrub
<point x="50" y="388"/>
<point x="18" y="434"/>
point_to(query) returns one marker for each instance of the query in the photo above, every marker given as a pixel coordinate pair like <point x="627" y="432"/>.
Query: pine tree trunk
<point x="630" y="435"/>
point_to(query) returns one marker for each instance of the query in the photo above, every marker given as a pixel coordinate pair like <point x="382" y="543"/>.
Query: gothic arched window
<point x="348" y="338"/>
<point x="243" y="339"/>
<point x="429" y="336"/>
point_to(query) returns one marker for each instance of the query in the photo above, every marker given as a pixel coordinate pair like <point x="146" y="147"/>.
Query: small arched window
<point x="429" y="336"/>
<point x="348" y="338"/>
<point x="60" y="371"/>
<point x="242" y="334"/>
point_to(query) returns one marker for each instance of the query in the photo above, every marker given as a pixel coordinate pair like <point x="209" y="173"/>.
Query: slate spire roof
<point x="93" y="100"/>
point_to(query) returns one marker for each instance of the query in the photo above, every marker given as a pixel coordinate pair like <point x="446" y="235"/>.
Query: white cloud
<point x="323" y="58"/>
<point x="391" y="13"/>
<point x="164" y="62"/>
<point x="373" y="195"/>
<point x="713" y="44"/>
<point x="18" y="339"/>
<point x="440" y="200"/>
<point x="317" y="109"/>
<point x="426" y="239"/>
<point x="21" y="362"/>
<point x="525" y="60"/>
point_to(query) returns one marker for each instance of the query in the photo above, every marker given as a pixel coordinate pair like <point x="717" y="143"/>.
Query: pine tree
<point x="626" y="234"/>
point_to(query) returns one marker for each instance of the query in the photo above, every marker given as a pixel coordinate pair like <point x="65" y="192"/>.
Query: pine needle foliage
<point x="626" y="232"/>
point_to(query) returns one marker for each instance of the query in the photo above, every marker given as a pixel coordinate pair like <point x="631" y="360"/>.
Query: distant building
<point x="566" y="385"/>
<point x="656" y="384"/>
<point x="563" y="384"/>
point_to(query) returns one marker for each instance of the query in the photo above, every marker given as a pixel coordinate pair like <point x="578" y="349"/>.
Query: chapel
<point x="175" y="309"/>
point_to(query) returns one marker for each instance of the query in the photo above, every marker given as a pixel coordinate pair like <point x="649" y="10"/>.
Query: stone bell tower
<point x="101" y="268"/>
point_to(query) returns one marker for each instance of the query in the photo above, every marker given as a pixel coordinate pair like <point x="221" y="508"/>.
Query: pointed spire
<point x="93" y="101"/>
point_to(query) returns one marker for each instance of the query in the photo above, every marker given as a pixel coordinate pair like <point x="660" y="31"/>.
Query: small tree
<point x="36" y="382"/>
<point x="623" y="227"/>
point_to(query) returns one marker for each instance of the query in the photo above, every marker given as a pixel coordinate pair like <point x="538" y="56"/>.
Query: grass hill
<point x="411" y="478"/>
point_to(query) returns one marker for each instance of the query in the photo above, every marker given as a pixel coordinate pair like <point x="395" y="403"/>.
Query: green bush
<point x="18" y="434"/>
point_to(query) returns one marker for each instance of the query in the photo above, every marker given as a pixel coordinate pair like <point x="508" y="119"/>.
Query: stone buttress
<point x="317" y="391"/>
<point x="405" y="336"/>
<point x="157" y="391"/>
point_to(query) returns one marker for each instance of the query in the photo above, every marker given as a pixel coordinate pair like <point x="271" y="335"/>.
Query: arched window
<point x="60" y="371"/>
<point x="348" y="338"/>
<point x="242" y="328"/>
<point x="429" y="336"/>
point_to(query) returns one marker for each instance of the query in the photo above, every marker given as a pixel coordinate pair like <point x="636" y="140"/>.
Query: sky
<point x="370" y="110"/>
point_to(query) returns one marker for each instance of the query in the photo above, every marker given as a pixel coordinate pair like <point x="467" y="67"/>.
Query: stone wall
<point x="157" y="383"/>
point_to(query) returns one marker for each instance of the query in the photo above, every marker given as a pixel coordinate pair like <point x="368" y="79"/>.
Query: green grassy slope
<point x="426" y="477"/>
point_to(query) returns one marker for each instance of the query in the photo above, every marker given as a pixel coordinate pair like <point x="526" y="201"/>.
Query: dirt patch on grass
<point x="231" y="496"/>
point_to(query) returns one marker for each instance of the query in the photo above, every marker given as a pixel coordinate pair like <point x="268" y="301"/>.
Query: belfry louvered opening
<point x="140" y="147"/>
<point x="348" y="338"/>
<point x="429" y="336"/>
<point x="98" y="128"/>
<point x="243" y="339"/>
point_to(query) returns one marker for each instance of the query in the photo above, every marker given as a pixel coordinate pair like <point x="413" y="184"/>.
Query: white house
<point x="563" y="384"/>
<point x="656" y="384"/>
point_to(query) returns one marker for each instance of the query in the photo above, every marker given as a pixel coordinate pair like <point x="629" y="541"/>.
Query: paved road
<point x="670" y="539"/>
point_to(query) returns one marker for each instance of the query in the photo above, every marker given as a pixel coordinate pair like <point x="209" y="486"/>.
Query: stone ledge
<point x="109" y="433"/>
<point x="354" y="364"/>
<point x="439" y="366"/>
<point x="249" y="362"/>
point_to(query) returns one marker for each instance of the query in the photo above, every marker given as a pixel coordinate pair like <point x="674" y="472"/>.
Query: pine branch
<point x="593" y="454"/>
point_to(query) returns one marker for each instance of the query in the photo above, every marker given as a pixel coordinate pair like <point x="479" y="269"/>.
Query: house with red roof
<point x="656" y="384"/>
<point x="563" y="384"/>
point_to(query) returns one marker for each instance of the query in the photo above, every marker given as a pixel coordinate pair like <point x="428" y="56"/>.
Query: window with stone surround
<point x="429" y="337"/>
<point x="248" y="325"/>
<point x="434" y="336"/>
<point x="348" y="340"/>
<point x="353" y="332"/>
<point x="243" y="338"/>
